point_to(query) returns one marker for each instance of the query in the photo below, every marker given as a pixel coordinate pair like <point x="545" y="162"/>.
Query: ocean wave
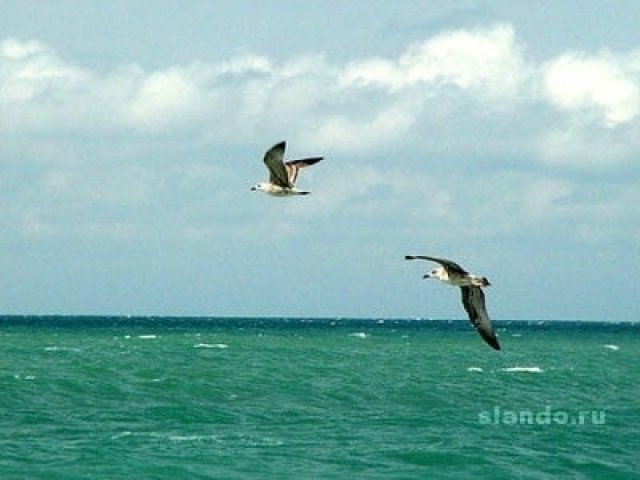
<point x="533" y="369"/>
<point x="358" y="335"/>
<point x="211" y="345"/>
<point x="62" y="349"/>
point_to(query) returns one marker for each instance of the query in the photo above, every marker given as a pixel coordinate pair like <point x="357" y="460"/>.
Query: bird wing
<point x="473" y="302"/>
<point x="294" y="166"/>
<point x="451" y="267"/>
<point x="277" y="171"/>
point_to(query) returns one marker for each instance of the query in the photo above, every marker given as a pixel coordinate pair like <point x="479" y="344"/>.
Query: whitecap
<point x="358" y="335"/>
<point x="149" y="336"/>
<point x="211" y="345"/>
<point x="474" y="369"/>
<point x="193" y="438"/>
<point x="523" y="369"/>
<point x="516" y="334"/>
<point x="61" y="349"/>
<point x="612" y="347"/>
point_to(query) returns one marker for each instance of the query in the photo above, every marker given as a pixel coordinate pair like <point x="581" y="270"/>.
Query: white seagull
<point x="282" y="176"/>
<point x="472" y="295"/>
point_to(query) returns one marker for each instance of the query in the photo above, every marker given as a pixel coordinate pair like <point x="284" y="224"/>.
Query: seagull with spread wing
<point x="283" y="175"/>
<point x="472" y="295"/>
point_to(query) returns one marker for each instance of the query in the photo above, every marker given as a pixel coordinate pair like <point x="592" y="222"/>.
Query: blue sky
<point x="503" y="135"/>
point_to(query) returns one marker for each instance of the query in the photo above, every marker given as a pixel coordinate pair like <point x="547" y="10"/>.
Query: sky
<point x="503" y="135"/>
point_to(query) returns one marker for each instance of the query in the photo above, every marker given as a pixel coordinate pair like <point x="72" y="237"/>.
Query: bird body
<point x="470" y="285"/>
<point x="283" y="175"/>
<point x="278" y="191"/>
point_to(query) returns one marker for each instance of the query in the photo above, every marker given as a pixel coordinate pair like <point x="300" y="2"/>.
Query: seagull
<point x="282" y="176"/>
<point x="472" y="295"/>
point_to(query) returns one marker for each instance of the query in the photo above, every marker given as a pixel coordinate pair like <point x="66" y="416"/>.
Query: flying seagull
<point x="282" y="176"/>
<point x="472" y="295"/>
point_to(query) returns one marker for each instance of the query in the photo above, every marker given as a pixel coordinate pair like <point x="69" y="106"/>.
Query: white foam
<point x="612" y="347"/>
<point x="358" y="335"/>
<point x="211" y="345"/>
<point x="474" y="369"/>
<point x="61" y="349"/>
<point x="523" y="369"/>
<point x="149" y="336"/>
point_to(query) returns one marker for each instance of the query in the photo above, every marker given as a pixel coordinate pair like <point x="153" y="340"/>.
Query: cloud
<point x="589" y="147"/>
<point x="578" y="83"/>
<point x="31" y="72"/>
<point x="486" y="61"/>
<point x="458" y="79"/>
<point x="167" y="99"/>
<point x="464" y="106"/>
<point x="362" y="134"/>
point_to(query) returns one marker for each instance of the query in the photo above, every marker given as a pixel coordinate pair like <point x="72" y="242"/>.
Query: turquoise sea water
<point x="105" y="398"/>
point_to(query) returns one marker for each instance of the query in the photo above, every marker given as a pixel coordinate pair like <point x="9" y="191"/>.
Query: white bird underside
<point x="282" y="176"/>
<point x="472" y="295"/>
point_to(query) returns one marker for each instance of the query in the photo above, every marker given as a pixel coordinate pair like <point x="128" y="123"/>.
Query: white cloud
<point x="14" y="49"/>
<point x="577" y="82"/>
<point x="363" y="133"/>
<point x="454" y="81"/>
<point x="45" y="92"/>
<point x="30" y="71"/>
<point x="246" y="64"/>
<point x="487" y="61"/>
<point x="165" y="99"/>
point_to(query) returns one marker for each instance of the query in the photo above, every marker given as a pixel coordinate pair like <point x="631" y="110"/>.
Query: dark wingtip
<point x="409" y="257"/>
<point x="312" y="160"/>
<point x="492" y="341"/>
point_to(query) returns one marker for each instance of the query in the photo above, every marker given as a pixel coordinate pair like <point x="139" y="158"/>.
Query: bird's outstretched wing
<point x="452" y="267"/>
<point x="473" y="302"/>
<point x="277" y="171"/>
<point x="294" y="166"/>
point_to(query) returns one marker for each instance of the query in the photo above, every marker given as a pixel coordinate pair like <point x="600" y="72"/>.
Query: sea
<point x="306" y="398"/>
